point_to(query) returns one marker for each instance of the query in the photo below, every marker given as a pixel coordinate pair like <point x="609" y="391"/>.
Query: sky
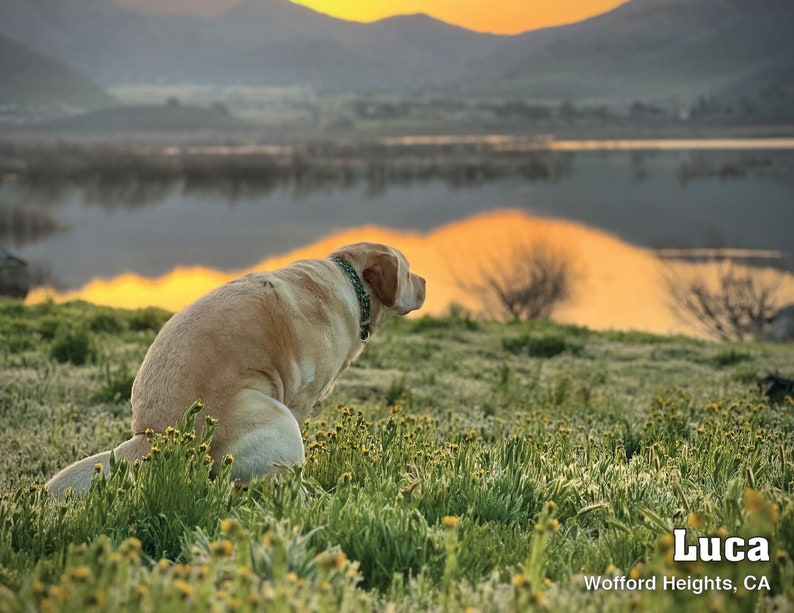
<point x="495" y="16"/>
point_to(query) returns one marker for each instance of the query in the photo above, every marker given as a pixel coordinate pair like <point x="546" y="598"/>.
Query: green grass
<point x="453" y="468"/>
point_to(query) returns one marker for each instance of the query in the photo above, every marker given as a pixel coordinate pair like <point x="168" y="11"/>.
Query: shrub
<point x="74" y="345"/>
<point x="527" y="281"/>
<point x="729" y="357"/>
<point x="17" y="335"/>
<point x="541" y="345"/>
<point x="48" y="326"/>
<point x="398" y="392"/>
<point x="457" y="318"/>
<point x="149" y="319"/>
<point x="106" y="321"/>
<point x="116" y="384"/>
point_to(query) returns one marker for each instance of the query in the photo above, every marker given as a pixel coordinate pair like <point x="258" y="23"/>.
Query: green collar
<point x="361" y="294"/>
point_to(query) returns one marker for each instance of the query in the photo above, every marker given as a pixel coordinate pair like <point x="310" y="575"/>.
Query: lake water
<point x="648" y="198"/>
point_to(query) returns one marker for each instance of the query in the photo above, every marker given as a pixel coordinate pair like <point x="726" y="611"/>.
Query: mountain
<point x="286" y="40"/>
<point x="205" y="8"/>
<point x="645" y="49"/>
<point x="649" y="49"/>
<point x="27" y="77"/>
<point x="257" y="42"/>
<point x="113" y="46"/>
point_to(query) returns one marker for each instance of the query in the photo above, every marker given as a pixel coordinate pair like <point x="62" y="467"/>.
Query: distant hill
<point x="645" y="49"/>
<point x="650" y="49"/>
<point x="27" y="77"/>
<point x="158" y="119"/>
<point x="258" y="42"/>
<point x="205" y="8"/>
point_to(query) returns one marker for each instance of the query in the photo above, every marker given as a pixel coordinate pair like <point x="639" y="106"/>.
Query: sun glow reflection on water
<point x="618" y="285"/>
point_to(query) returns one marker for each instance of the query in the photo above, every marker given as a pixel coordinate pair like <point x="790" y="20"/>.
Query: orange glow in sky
<point x="497" y="16"/>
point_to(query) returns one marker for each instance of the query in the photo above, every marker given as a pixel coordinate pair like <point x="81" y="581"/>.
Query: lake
<point x="644" y="197"/>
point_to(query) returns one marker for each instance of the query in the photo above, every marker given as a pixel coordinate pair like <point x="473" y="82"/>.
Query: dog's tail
<point x="77" y="477"/>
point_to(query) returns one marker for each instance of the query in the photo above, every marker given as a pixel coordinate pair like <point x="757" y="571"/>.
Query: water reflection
<point x="618" y="285"/>
<point x="20" y="226"/>
<point x="113" y="177"/>
<point x="98" y="213"/>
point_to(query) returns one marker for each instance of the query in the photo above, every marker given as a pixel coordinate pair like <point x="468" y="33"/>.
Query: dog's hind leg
<point x="264" y="433"/>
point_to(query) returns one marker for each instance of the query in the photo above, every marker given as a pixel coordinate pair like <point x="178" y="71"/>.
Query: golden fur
<point x="259" y="352"/>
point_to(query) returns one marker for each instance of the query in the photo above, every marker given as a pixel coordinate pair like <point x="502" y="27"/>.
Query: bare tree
<point x="727" y="300"/>
<point x="529" y="282"/>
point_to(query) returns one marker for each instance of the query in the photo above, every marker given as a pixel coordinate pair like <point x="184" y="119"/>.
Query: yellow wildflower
<point x="450" y="522"/>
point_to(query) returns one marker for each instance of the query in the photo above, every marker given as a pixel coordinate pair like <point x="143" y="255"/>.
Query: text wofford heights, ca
<point x="708" y="549"/>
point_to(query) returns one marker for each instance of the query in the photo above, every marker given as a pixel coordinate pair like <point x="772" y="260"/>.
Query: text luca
<point x="716" y="549"/>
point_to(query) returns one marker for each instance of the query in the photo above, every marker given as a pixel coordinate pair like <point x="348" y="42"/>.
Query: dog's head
<point x="386" y="272"/>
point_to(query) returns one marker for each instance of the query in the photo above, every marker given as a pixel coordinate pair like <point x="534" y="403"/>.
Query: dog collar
<point x="361" y="294"/>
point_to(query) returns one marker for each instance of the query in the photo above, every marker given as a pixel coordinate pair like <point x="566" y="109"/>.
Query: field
<point x="459" y="465"/>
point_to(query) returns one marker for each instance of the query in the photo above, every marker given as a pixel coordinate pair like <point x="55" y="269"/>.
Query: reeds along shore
<point x="306" y="168"/>
<point x="138" y="174"/>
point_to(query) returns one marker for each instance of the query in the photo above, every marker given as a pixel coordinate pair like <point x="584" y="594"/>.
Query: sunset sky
<point x="497" y="16"/>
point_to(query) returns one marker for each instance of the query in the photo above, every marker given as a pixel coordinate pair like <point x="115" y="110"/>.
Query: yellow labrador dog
<point x="259" y="352"/>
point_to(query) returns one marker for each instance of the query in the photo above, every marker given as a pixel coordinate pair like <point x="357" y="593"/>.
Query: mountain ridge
<point x="28" y="77"/>
<point x="644" y="49"/>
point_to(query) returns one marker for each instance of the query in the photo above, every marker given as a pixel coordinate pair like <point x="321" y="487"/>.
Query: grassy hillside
<point x="459" y="465"/>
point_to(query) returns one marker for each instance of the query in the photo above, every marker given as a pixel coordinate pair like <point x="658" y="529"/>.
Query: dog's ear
<point x="381" y="274"/>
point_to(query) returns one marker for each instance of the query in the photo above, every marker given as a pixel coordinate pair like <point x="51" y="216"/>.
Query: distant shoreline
<point x="182" y="126"/>
<point x="459" y="159"/>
